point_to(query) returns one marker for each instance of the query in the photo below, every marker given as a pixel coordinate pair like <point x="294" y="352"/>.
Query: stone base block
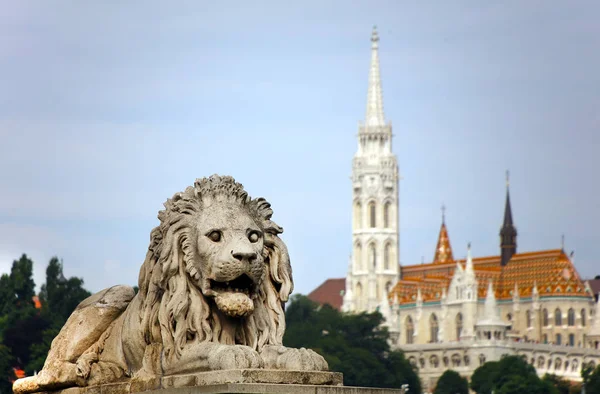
<point x="231" y="381"/>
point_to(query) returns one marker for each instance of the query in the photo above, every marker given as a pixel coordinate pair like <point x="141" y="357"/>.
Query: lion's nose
<point x="244" y="256"/>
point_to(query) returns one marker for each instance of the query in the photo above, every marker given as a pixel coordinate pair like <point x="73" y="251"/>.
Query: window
<point x="410" y="330"/>
<point x="386" y="256"/>
<point x="583" y="320"/>
<point x="571" y="339"/>
<point x="571" y="317"/>
<point x="545" y="338"/>
<point x="558" y="339"/>
<point x="358" y="256"/>
<point x="459" y="325"/>
<point x="433" y="328"/>
<point x="372" y="217"/>
<point x="372" y="256"/>
<point x="358" y="222"/>
<point x="528" y="318"/>
<point x="545" y="317"/>
<point x="557" y="317"/>
<point x="386" y="215"/>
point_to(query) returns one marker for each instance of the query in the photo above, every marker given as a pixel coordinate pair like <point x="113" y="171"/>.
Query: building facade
<point x="456" y="313"/>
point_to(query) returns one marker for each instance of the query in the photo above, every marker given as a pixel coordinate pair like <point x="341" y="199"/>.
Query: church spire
<point x="508" y="232"/>
<point x="374" y="116"/>
<point x="443" y="250"/>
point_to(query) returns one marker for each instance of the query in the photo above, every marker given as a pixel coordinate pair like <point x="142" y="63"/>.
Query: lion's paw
<point x="234" y="357"/>
<point x="302" y="359"/>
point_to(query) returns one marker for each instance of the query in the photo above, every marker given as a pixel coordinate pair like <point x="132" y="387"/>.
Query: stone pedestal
<point x="233" y="381"/>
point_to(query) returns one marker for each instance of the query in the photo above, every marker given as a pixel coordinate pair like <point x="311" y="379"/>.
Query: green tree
<point x="562" y="386"/>
<point x="483" y="378"/>
<point x="510" y="375"/>
<point x="451" y="383"/>
<point x="591" y="379"/>
<point x="354" y="344"/>
<point x="6" y="361"/>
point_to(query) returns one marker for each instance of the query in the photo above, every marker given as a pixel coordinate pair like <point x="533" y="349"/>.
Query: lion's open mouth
<point x="234" y="297"/>
<point x="241" y="284"/>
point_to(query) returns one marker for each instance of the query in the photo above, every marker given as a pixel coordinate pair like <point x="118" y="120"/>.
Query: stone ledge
<point x="205" y="382"/>
<point x="264" y="388"/>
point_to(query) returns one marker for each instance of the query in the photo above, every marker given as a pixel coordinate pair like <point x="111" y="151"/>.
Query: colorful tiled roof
<point x="330" y="292"/>
<point x="443" y="250"/>
<point x="551" y="270"/>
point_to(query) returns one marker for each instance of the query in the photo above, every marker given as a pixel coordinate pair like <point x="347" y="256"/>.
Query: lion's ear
<point x="280" y="269"/>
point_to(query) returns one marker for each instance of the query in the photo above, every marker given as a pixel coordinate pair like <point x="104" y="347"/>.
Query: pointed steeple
<point x="443" y="250"/>
<point x="374" y="116"/>
<point x="469" y="270"/>
<point x="508" y="232"/>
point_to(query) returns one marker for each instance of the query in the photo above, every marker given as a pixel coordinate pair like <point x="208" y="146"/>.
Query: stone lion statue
<point x="211" y="296"/>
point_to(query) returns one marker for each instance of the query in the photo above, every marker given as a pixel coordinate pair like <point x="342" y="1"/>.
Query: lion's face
<point x="230" y="266"/>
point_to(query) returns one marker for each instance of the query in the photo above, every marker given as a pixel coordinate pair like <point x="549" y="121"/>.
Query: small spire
<point x="508" y="232"/>
<point x="469" y="270"/>
<point x="562" y="242"/>
<point x="443" y="250"/>
<point x="374" y="37"/>
<point x="443" y="214"/>
<point x="507" y="179"/>
<point x="374" y="116"/>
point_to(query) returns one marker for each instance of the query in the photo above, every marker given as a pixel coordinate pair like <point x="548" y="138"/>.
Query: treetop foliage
<point x="26" y="332"/>
<point x="354" y="344"/>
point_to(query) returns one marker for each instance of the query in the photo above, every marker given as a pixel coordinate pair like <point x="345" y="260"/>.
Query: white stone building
<point x="456" y="313"/>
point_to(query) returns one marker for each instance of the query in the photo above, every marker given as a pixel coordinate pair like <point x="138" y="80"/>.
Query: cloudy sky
<point x="108" y="108"/>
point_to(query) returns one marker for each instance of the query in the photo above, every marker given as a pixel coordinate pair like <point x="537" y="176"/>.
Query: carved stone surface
<point x="211" y="294"/>
<point x="234" y="381"/>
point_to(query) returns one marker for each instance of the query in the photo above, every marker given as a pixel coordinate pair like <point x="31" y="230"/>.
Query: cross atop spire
<point x="443" y="213"/>
<point x="374" y="116"/>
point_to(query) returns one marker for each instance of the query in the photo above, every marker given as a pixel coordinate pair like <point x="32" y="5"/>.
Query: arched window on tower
<point x="459" y="325"/>
<point x="387" y="256"/>
<point x="434" y="328"/>
<point x="571" y="317"/>
<point x="557" y="317"/>
<point x="545" y="320"/>
<point x="372" y="257"/>
<point x="583" y="318"/>
<point x="528" y="318"/>
<point x="410" y="330"/>
<point x="358" y="294"/>
<point x="358" y="256"/>
<point x="387" y="215"/>
<point x="372" y="215"/>
<point x="358" y="215"/>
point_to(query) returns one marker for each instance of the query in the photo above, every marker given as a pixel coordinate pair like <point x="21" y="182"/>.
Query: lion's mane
<point x="173" y="309"/>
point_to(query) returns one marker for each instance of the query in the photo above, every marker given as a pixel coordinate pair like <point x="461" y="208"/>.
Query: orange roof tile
<point x="551" y="270"/>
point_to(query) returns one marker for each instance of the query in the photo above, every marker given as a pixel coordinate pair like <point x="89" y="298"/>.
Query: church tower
<point x="374" y="265"/>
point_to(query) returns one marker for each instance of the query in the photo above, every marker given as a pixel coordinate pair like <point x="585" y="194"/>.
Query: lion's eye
<point x="215" y="236"/>
<point x="253" y="236"/>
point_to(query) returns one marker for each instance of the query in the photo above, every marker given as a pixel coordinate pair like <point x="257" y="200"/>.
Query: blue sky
<point x="108" y="108"/>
